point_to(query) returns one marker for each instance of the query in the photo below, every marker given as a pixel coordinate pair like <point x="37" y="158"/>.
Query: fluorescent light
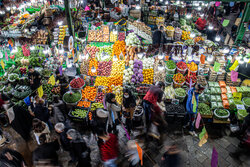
<point x="60" y="23"/>
<point x="210" y="27"/>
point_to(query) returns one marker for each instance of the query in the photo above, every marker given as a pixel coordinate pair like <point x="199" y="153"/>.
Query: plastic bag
<point x="211" y="84"/>
<point x="216" y="84"/>
<point x="225" y="104"/>
<point x="229" y="96"/>
<point x="218" y="98"/>
<point x="213" y="91"/>
<point x="207" y="97"/>
<point x="220" y="105"/>
<point x="202" y="98"/>
<point x="223" y="90"/>
<point x="214" y="105"/>
<point x="218" y="91"/>
<point x="213" y="98"/>
<point x="207" y="91"/>
<point x="222" y="84"/>
<point x="223" y="96"/>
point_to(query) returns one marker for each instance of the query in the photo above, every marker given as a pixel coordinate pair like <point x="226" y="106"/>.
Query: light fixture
<point x="177" y="2"/>
<point x="160" y="68"/>
<point x="202" y="14"/>
<point x="192" y="35"/>
<point x="14" y="7"/>
<point x="166" y="3"/>
<point x="188" y="16"/>
<point x="32" y="48"/>
<point x="137" y="7"/>
<point x="210" y="27"/>
<point x="199" y="8"/>
<point x="140" y="55"/>
<point x="217" y="38"/>
<point x="14" y="50"/>
<point x="8" y="8"/>
<point x="210" y="58"/>
<point x="60" y="23"/>
<point x="115" y="58"/>
<point x="161" y="0"/>
<point x="160" y="56"/>
<point x="93" y="70"/>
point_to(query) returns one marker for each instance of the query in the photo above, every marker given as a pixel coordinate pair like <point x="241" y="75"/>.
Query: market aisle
<point x="191" y="156"/>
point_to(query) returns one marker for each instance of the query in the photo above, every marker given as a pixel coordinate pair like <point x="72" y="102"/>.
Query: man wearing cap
<point x="34" y="78"/>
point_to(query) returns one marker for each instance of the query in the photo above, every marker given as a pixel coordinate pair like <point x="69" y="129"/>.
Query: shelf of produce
<point x="216" y="121"/>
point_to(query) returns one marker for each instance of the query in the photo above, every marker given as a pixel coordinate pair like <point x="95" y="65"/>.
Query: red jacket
<point x="109" y="149"/>
<point x="153" y="95"/>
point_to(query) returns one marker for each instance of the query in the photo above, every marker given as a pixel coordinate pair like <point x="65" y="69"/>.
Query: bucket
<point x="223" y="118"/>
<point x="170" y="71"/>
<point x="181" y="70"/>
<point x="180" y="98"/>
<point x="178" y="85"/>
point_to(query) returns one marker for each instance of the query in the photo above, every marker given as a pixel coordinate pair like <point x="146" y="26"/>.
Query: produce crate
<point x="74" y="118"/>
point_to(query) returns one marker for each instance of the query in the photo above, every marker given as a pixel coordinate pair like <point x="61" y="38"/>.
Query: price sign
<point x="240" y="107"/>
<point x="175" y="101"/>
<point x="237" y="95"/>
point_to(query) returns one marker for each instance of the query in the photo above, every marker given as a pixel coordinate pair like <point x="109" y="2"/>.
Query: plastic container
<point x="181" y="70"/>
<point x="193" y="72"/>
<point x="78" y="119"/>
<point x="246" y="106"/>
<point x="223" y="118"/>
<point x="180" y="98"/>
<point x="170" y="71"/>
<point x="178" y="85"/>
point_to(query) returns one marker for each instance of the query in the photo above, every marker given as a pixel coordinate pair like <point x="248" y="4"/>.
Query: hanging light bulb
<point x="177" y="2"/>
<point x="210" y="58"/>
<point x="60" y="23"/>
<point x="217" y="38"/>
<point x="192" y="35"/>
<point x="188" y="16"/>
<point x="137" y="7"/>
<point x="8" y="8"/>
<point x="93" y="70"/>
<point x="166" y="3"/>
<point x="115" y="58"/>
<point x="199" y="8"/>
<point x="161" y="0"/>
<point x="140" y="55"/>
<point x="210" y="27"/>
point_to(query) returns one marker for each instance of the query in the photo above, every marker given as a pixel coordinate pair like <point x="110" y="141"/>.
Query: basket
<point x="74" y="118"/>
<point x="76" y="89"/>
<point x="247" y="106"/>
<point x="170" y="71"/>
<point x="72" y="104"/>
<point x="180" y="98"/>
<point x="12" y="75"/>
<point x="222" y="118"/>
<point x="181" y="71"/>
<point x="178" y="85"/>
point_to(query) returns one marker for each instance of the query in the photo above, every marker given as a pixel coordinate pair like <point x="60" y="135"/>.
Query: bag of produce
<point x="218" y="98"/>
<point x="233" y="90"/>
<point x="214" y="105"/>
<point x="207" y="97"/>
<point x="246" y="91"/>
<point x="202" y="98"/>
<point x="218" y="91"/>
<point x="225" y="104"/>
<point x="213" y="98"/>
<point x="228" y="89"/>
<point x="216" y="84"/>
<point x="213" y="91"/>
<point x="223" y="90"/>
<point x="219" y="105"/>
<point x="222" y="84"/>
<point x="223" y="96"/>
<point x="211" y="84"/>
<point x="207" y="91"/>
<point x="169" y="92"/>
<point x="229" y="96"/>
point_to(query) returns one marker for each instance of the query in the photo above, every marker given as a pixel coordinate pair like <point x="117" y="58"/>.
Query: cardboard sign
<point x="216" y="66"/>
<point x="240" y="107"/>
<point x="237" y="95"/>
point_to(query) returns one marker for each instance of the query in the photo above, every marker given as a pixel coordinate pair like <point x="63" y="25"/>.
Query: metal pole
<point x="69" y="18"/>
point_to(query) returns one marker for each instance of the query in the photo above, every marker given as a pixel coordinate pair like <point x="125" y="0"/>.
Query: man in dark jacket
<point x="46" y="152"/>
<point x="78" y="149"/>
<point x="11" y="158"/>
<point x="34" y="78"/>
<point x="64" y="141"/>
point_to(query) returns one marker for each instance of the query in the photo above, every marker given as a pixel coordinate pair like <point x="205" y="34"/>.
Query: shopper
<point x="63" y="82"/>
<point x="171" y="157"/>
<point x="212" y="10"/>
<point x="64" y="141"/>
<point x="201" y="23"/>
<point x="46" y="151"/>
<point x="154" y="95"/>
<point x="191" y="114"/>
<point x="78" y="149"/>
<point x="39" y="128"/>
<point x="41" y="112"/>
<point x="129" y="104"/>
<point x="56" y="115"/>
<point x="108" y="145"/>
<point x="34" y="78"/>
<point x="11" y="158"/>
<point x="113" y="108"/>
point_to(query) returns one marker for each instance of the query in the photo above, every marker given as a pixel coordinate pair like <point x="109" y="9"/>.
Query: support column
<point x="69" y="18"/>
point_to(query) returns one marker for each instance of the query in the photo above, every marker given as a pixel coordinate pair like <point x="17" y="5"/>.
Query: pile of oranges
<point x="85" y="104"/>
<point x="148" y="76"/>
<point x="93" y="63"/>
<point x="89" y="93"/>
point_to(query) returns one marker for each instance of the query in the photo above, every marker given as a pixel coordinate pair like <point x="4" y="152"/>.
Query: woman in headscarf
<point x="129" y="103"/>
<point x="113" y="107"/>
<point x="78" y="149"/>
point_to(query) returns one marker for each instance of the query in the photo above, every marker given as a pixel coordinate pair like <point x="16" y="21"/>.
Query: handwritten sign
<point x="234" y="76"/>
<point x="2" y="64"/>
<point x="216" y="66"/>
<point x="235" y="64"/>
<point x="240" y="107"/>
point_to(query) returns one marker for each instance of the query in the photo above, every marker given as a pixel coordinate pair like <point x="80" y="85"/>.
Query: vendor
<point x="63" y="81"/>
<point x="201" y="22"/>
<point x="34" y="78"/>
<point x="159" y="37"/>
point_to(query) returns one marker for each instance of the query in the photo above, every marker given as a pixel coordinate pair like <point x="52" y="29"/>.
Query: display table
<point x="216" y="121"/>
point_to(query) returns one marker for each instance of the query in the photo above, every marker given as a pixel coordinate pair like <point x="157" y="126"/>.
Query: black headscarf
<point x="130" y="101"/>
<point x="109" y="97"/>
